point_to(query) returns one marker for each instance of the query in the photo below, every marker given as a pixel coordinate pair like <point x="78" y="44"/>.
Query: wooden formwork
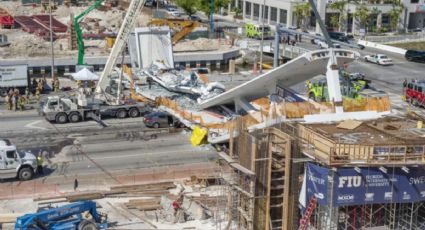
<point x="332" y="152"/>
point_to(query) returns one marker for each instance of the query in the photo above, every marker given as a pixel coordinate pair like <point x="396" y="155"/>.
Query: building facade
<point x="282" y="11"/>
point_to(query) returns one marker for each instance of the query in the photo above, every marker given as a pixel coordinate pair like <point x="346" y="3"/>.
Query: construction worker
<point x="37" y="93"/>
<point x="40" y="85"/>
<point x="7" y="100"/>
<point x="79" y="84"/>
<point x="149" y="80"/>
<point x="21" y="103"/>
<point x="27" y="95"/>
<point x="57" y="85"/>
<point x="40" y="163"/>
<point x="14" y="102"/>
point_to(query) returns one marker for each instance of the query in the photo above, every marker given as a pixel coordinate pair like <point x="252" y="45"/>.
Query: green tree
<point x="362" y="14"/>
<point x="340" y="6"/>
<point x="189" y="6"/>
<point x="205" y="5"/>
<point x="394" y="14"/>
<point x="238" y="12"/>
<point x="302" y="12"/>
<point x="334" y="21"/>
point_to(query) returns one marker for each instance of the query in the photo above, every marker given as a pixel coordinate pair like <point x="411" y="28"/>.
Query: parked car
<point x="194" y="18"/>
<point x="161" y="120"/>
<point x="415" y="55"/>
<point x="171" y="8"/>
<point x="149" y="3"/>
<point x="322" y="44"/>
<point x="175" y="13"/>
<point x="338" y="36"/>
<point x="379" y="59"/>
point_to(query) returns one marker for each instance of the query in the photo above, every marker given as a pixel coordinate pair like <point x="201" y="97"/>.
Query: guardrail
<point x="397" y="38"/>
<point x="379" y="46"/>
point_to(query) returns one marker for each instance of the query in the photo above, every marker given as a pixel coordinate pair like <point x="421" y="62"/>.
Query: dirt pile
<point x="200" y="44"/>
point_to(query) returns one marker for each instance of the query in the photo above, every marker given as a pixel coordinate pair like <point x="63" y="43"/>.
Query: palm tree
<point x="362" y="14"/>
<point x="395" y="13"/>
<point x="302" y="12"/>
<point x="340" y="6"/>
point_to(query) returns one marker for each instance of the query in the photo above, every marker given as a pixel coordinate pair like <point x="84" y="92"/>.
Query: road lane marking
<point x="32" y="125"/>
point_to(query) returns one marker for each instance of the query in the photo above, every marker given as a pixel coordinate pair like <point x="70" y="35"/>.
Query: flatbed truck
<point x="63" y="109"/>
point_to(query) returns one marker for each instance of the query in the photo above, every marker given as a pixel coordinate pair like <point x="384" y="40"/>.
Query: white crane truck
<point x="63" y="109"/>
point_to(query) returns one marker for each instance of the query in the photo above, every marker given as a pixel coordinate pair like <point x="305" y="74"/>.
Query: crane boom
<point x="121" y="40"/>
<point x="78" y="31"/>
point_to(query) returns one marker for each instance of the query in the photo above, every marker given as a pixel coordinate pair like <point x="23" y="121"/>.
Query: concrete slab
<point x="296" y="71"/>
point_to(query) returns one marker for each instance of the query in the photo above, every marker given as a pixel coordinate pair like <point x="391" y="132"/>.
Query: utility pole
<point x="262" y="37"/>
<point x="212" y="16"/>
<point x="52" y="72"/>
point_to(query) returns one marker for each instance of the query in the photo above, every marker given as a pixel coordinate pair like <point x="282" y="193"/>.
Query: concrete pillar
<point x="217" y="64"/>
<point x="260" y="14"/>
<point x="237" y="4"/>
<point x="208" y="64"/>
<point x="277" y="15"/>
<point x="42" y="70"/>
<point x="321" y="7"/>
<point x="232" y="66"/>
<point x="229" y="8"/>
<point x="405" y="19"/>
<point x="379" y="21"/>
<point x="67" y="69"/>
<point x="243" y="9"/>
<point x="289" y="16"/>
<point x="269" y="13"/>
<point x="355" y="29"/>
<point x="252" y="11"/>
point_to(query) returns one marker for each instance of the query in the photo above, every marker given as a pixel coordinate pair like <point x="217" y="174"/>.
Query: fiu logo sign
<point x="349" y="181"/>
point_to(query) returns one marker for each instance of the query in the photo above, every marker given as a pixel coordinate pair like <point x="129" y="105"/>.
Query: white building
<point x="281" y="11"/>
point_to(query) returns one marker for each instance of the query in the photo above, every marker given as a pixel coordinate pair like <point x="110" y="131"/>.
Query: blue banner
<point x="317" y="183"/>
<point x="373" y="186"/>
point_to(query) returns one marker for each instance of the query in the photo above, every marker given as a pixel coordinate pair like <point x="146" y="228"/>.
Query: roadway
<point x="124" y="147"/>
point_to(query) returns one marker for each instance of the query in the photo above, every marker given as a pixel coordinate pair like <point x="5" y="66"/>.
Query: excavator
<point x="78" y="31"/>
<point x="180" y="27"/>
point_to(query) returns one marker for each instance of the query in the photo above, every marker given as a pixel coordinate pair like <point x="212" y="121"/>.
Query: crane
<point x="67" y="217"/>
<point x="181" y="27"/>
<point x="78" y="31"/>
<point x="122" y="37"/>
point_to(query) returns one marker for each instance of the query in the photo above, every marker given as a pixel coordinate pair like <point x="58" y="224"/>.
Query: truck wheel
<point x="87" y="225"/>
<point x="74" y="117"/>
<point x="61" y="118"/>
<point x="25" y="173"/>
<point x="133" y="112"/>
<point x="121" y="114"/>
<point x="156" y="125"/>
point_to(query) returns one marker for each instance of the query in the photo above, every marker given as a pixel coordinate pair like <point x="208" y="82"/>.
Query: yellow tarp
<point x="199" y="136"/>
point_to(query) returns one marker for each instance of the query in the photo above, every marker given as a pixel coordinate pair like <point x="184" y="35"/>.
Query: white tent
<point x="85" y="75"/>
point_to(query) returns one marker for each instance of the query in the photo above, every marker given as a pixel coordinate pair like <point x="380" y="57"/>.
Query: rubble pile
<point x="200" y="44"/>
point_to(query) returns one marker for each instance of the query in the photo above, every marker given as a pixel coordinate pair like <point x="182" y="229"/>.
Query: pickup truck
<point x="14" y="164"/>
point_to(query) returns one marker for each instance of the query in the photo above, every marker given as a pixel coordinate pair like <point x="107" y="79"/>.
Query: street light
<point x="262" y="37"/>
<point x="52" y="72"/>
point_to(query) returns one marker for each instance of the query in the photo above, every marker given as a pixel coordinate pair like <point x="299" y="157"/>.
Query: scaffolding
<point x="265" y="194"/>
<point x="268" y="166"/>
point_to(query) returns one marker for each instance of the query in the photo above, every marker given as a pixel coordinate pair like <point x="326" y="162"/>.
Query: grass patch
<point x="410" y="45"/>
